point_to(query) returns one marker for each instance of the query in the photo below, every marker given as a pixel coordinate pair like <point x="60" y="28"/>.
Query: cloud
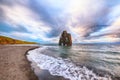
<point x="101" y="40"/>
<point x="114" y="22"/>
<point x="21" y="17"/>
<point x="71" y="15"/>
<point x="85" y="15"/>
<point x="44" y="20"/>
<point x="111" y="32"/>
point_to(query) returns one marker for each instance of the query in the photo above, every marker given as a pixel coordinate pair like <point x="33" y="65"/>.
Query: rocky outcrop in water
<point x="65" y="39"/>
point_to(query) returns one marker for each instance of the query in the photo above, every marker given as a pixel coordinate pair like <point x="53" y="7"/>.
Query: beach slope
<point x="14" y="64"/>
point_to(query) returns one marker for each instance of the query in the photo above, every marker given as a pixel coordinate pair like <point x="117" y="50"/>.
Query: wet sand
<point x="14" y="64"/>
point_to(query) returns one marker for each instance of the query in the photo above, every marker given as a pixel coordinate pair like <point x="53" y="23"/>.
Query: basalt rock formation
<point x="65" y="39"/>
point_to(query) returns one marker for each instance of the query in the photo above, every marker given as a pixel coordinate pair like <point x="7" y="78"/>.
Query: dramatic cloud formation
<point x="44" y="20"/>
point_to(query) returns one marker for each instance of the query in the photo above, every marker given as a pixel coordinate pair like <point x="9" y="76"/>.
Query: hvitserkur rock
<point x="65" y="39"/>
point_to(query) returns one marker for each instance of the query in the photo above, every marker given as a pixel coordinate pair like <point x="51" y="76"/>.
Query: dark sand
<point x="14" y="64"/>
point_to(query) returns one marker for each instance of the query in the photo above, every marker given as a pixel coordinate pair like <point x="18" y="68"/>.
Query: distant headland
<point x="7" y="40"/>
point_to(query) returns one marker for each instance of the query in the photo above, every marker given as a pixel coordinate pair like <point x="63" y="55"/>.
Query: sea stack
<point x="65" y="39"/>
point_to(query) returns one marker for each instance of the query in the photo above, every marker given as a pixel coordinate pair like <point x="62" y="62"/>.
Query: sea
<point x="78" y="62"/>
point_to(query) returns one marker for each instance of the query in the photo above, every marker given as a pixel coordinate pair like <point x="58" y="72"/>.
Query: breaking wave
<point x="62" y="67"/>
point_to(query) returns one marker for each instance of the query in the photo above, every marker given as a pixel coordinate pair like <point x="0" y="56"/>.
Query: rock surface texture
<point x="65" y="39"/>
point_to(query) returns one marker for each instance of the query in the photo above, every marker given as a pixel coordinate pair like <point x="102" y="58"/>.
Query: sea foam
<point x="62" y="67"/>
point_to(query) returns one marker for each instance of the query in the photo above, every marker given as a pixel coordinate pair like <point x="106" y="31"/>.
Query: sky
<point x="42" y="21"/>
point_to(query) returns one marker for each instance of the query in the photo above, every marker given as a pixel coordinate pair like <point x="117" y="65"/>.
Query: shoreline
<point x="43" y="74"/>
<point x="14" y="64"/>
<point x="99" y="72"/>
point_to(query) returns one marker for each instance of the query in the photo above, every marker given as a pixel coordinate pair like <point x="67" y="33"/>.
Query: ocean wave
<point x="62" y="67"/>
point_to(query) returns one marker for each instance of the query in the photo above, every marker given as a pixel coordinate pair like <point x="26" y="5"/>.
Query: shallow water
<point x="67" y="61"/>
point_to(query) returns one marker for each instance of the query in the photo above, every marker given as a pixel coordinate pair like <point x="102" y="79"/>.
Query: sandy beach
<point x="14" y="64"/>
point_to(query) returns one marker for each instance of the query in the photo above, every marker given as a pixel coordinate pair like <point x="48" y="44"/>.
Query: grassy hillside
<point x="7" y="40"/>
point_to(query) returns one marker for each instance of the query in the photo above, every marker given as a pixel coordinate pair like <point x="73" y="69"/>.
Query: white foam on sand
<point x="62" y="67"/>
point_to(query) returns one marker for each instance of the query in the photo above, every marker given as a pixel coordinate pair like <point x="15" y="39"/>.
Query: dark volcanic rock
<point x="65" y="39"/>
